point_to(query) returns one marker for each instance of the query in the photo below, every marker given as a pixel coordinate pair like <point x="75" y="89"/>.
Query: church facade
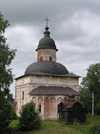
<point x="46" y="82"/>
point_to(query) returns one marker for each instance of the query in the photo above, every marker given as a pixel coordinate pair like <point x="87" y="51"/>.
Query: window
<point x="50" y="58"/>
<point x="41" y="58"/>
<point x="23" y="95"/>
<point x="39" y="108"/>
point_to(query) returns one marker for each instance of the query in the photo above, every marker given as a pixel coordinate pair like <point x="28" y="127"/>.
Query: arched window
<point x="40" y="108"/>
<point x="23" y="95"/>
<point x="50" y="58"/>
<point x="41" y="58"/>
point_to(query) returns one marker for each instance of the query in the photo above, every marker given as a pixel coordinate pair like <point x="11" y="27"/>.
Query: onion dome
<point x="46" y="68"/>
<point x="46" y="42"/>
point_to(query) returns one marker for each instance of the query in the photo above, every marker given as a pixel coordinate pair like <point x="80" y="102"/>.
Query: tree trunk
<point x="92" y="103"/>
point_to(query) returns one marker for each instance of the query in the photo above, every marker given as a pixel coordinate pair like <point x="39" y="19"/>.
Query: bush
<point x="29" y="118"/>
<point x="5" y="115"/>
<point x="95" y="129"/>
<point x="13" y="115"/>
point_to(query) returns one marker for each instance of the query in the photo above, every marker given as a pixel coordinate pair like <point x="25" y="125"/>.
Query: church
<point x="46" y="82"/>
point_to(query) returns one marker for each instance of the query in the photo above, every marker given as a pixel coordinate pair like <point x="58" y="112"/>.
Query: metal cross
<point x="46" y="21"/>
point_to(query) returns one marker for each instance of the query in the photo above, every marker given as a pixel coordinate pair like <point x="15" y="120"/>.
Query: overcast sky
<point x="74" y="25"/>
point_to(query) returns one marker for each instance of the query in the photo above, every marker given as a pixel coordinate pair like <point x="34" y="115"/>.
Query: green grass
<point x="13" y="124"/>
<point x="85" y="127"/>
<point x="55" y="127"/>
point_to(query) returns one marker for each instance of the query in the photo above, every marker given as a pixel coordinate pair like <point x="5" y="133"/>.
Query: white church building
<point x="46" y="82"/>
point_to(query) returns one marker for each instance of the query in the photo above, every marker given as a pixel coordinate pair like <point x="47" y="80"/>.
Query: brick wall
<point x="54" y="81"/>
<point x="46" y="54"/>
<point x="49" y="105"/>
<point x="53" y="109"/>
<point x="46" y="109"/>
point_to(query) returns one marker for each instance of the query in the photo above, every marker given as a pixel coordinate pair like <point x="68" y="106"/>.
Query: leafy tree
<point x="10" y="98"/>
<point x="5" y="114"/>
<point x="13" y="114"/>
<point x="86" y="99"/>
<point x="6" y="57"/>
<point x="6" y="77"/>
<point x="91" y="84"/>
<point x="29" y="118"/>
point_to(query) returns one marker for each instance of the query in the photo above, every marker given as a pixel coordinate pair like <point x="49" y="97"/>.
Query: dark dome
<point x="46" y="67"/>
<point x="46" y="42"/>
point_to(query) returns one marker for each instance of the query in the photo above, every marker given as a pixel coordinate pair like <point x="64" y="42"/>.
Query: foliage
<point x="86" y="99"/>
<point x="10" y="97"/>
<point x="6" y="57"/>
<point x="84" y="128"/>
<point x="29" y="118"/>
<point x="6" y="78"/>
<point x="95" y="129"/>
<point x="89" y="84"/>
<point x="93" y="77"/>
<point x="5" y="115"/>
<point x="13" y="114"/>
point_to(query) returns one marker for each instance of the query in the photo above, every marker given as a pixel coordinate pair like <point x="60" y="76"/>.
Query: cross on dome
<point x="46" y="21"/>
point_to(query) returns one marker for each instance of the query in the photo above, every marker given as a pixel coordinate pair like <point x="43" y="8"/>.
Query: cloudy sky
<point x="74" y="25"/>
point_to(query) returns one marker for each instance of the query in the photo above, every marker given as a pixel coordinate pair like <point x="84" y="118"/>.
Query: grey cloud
<point x="74" y="25"/>
<point x="33" y="12"/>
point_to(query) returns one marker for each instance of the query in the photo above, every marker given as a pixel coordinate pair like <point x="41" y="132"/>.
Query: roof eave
<point x="63" y="75"/>
<point x="55" y="94"/>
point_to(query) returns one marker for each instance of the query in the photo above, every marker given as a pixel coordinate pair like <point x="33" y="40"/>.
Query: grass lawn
<point x="48" y="127"/>
<point x="55" y="127"/>
<point x="13" y="124"/>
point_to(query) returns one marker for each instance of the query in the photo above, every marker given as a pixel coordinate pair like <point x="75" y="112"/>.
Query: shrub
<point x="5" y="116"/>
<point x="95" y="129"/>
<point x="29" y="118"/>
<point x="13" y="115"/>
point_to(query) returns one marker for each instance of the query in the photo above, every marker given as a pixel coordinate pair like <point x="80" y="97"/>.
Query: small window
<point x="50" y="58"/>
<point x="41" y="58"/>
<point x="39" y="108"/>
<point x="23" y="95"/>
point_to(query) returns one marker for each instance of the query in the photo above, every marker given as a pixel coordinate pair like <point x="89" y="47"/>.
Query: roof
<point x="69" y="75"/>
<point x="70" y="104"/>
<point x="46" y="67"/>
<point x="13" y="104"/>
<point x="52" y="90"/>
<point x="46" y="42"/>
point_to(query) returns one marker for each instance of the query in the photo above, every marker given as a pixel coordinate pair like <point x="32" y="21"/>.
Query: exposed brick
<point x="46" y="109"/>
<point x="64" y="100"/>
<point x="59" y="100"/>
<point x="53" y="108"/>
<point x="46" y="54"/>
<point x="29" y="83"/>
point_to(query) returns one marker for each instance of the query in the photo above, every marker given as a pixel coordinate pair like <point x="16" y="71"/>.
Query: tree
<point x="86" y="98"/>
<point x="5" y="114"/>
<point x="10" y="97"/>
<point x="6" y="57"/>
<point x="29" y="118"/>
<point x="91" y="83"/>
<point x="6" y="77"/>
